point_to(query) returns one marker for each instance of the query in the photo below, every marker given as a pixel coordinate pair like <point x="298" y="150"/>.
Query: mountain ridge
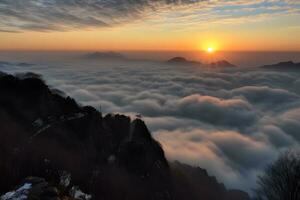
<point x="104" y="56"/>
<point x="109" y="157"/>
<point x="290" y="65"/>
<point x="183" y="61"/>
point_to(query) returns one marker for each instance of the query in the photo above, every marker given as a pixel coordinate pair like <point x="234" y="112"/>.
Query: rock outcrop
<point x="195" y="183"/>
<point x="33" y="188"/>
<point x="45" y="134"/>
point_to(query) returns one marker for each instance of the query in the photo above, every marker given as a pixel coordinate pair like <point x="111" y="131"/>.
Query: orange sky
<point x="255" y="32"/>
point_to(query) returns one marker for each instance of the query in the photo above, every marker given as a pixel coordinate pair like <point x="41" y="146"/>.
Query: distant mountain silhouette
<point x="4" y="63"/>
<point x="288" y="65"/>
<point x="222" y="64"/>
<point x="182" y="61"/>
<point x="105" y="56"/>
<point x="22" y="64"/>
<point x="112" y="157"/>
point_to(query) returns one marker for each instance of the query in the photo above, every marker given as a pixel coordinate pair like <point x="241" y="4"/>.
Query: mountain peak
<point x="222" y="63"/>
<point x="183" y="61"/>
<point x="288" y="65"/>
<point x="104" y="56"/>
<point x="44" y="134"/>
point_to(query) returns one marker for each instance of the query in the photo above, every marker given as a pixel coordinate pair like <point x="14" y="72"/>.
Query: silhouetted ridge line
<point x="222" y="64"/>
<point x="288" y="65"/>
<point x="105" y="56"/>
<point x="182" y="61"/>
<point x="72" y="149"/>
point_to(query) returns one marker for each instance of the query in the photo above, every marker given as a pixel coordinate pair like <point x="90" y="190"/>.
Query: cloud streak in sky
<point x="64" y="15"/>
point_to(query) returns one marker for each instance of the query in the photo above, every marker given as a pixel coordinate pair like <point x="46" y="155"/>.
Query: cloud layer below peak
<point x="231" y="122"/>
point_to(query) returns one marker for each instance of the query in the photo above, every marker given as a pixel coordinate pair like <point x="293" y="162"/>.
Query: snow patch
<point x="20" y="194"/>
<point x="65" y="179"/>
<point x="77" y="194"/>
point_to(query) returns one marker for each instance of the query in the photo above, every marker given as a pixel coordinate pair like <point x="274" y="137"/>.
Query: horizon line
<point x="144" y="50"/>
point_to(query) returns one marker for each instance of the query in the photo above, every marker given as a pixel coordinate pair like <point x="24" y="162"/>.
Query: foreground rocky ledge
<point x="47" y="135"/>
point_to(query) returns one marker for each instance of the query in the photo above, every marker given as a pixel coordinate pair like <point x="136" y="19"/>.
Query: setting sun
<point x="210" y="50"/>
<point x="209" y="45"/>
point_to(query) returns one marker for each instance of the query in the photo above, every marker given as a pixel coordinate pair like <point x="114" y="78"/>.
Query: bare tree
<point x="281" y="179"/>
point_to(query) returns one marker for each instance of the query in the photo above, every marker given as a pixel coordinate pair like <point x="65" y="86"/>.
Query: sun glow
<point x="209" y="46"/>
<point x="210" y="50"/>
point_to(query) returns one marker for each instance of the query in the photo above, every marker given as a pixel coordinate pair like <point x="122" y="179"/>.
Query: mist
<point x="239" y="58"/>
<point x="232" y="121"/>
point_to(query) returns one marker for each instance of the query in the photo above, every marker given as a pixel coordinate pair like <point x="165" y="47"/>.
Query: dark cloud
<point x="63" y="15"/>
<point x="48" y="15"/>
<point x="277" y="136"/>
<point x="265" y="94"/>
<point x="289" y="123"/>
<point x="251" y="153"/>
<point x="233" y="157"/>
<point x="233" y="112"/>
<point x="296" y="86"/>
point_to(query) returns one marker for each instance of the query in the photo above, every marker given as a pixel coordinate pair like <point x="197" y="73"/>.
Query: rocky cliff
<point x="47" y="135"/>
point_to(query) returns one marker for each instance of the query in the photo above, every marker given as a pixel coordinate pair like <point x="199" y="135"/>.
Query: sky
<point x="181" y="25"/>
<point x="232" y="122"/>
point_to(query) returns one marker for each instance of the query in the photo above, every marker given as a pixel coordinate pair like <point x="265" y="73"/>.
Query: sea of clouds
<point x="232" y="122"/>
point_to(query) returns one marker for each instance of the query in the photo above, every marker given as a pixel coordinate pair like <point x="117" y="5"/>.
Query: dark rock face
<point x="288" y="65"/>
<point x="237" y="194"/>
<point x="110" y="157"/>
<point x="44" y="133"/>
<point x="195" y="183"/>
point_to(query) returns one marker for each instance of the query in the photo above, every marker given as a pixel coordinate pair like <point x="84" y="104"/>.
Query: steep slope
<point x="195" y="183"/>
<point x="44" y="134"/>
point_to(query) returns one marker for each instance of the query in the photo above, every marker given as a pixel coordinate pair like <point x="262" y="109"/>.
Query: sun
<point x="209" y="46"/>
<point x="210" y="50"/>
